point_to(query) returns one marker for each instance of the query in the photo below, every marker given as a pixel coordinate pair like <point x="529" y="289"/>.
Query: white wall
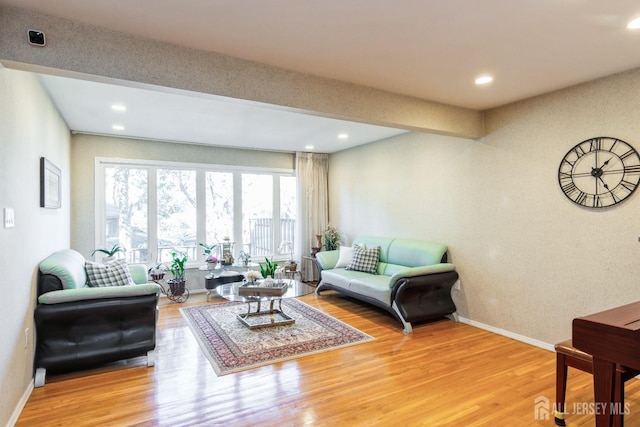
<point x="30" y="127"/>
<point x="529" y="259"/>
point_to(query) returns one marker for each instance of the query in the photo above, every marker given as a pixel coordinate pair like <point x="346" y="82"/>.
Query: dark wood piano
<point x="611" y="336"/>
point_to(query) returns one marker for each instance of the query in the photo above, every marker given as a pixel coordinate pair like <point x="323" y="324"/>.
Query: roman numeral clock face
<point x="599" y="172"/>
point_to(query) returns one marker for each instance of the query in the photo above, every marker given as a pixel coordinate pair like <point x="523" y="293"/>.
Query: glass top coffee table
<point x="258" y="318"/>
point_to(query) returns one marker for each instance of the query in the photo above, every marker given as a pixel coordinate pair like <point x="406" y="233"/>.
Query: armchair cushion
<point x="83" y="294"/>
<point x="114" y="273"/>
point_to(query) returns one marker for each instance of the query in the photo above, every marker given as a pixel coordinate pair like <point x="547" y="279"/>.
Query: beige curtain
<point x="312" y="171"/>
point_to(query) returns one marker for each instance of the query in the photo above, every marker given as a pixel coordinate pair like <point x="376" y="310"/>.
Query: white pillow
<point x="346" y="255"/>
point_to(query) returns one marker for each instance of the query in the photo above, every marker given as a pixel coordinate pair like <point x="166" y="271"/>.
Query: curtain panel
<point x="312" y="172"/>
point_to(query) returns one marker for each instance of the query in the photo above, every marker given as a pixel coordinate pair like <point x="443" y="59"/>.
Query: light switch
<point x="9" y="218"/>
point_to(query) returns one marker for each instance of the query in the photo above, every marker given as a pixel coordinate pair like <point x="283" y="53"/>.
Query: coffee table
<point x="258" y="318"/>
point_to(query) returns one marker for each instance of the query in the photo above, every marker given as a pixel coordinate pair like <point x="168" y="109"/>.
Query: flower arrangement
<point x="253" y="275"/>
<point x="212" y="259"/>
<point x="331" y="236"/>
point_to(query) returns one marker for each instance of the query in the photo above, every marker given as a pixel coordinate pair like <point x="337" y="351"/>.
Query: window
<point x="152" y="209"/>
<point x="125" y="211"/>
<point x="176" y="213"/>
<point x="257" y="213"/>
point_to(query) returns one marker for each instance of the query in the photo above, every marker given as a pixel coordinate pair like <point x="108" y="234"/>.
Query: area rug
<point x="232" y="347"/>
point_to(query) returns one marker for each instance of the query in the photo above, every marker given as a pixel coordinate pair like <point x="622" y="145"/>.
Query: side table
<point x="211" y="281"/>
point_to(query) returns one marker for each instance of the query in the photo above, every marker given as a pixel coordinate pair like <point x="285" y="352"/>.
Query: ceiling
<point x="209" y="120"/>
<point x="430" y="49"/>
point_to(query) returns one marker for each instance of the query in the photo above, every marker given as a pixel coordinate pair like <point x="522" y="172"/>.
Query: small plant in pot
<point x="269" y="268"/>
<point x="287" y="247"/>
<point x="157" y="272"/>
<point x="177" y="266"/>
<point x="110" y="254"/>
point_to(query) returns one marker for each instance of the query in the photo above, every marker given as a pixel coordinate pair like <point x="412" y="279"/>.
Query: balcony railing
<point x="261" y="235"/>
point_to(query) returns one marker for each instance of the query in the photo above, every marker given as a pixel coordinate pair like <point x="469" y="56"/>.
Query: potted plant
<point x="269" y="268"/>
<point x="110" y="253"/>
<point x="287" y="247"/>
<point x="331" y="236"/>
<point x="245" y="257"/>
<point x="157" y="272"/>
<point x="177" y="284"/>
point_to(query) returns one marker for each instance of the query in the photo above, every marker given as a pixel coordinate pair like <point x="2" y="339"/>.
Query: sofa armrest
<point x="327" y="260"/>
<point x="424" y="297"/>
<point x="422" y="271"/>
<point x="83" y="294"/>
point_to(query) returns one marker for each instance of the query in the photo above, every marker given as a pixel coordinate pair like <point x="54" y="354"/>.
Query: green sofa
<point x="413" y="280"/>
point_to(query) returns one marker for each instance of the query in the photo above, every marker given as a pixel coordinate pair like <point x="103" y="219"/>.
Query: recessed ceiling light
<point x="117" y="127"/>
<point x="343" y="135"/>
<point x="119" y="107"/>
<point x="634" y="25"/>
<point x="483" y="80"/>
<point x="309" y="147"/>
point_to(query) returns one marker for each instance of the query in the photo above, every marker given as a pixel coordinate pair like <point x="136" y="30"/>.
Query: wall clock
<point x="599" y="172"/>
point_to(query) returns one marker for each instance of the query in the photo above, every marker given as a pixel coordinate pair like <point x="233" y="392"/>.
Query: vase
<point x="318" y="241"/>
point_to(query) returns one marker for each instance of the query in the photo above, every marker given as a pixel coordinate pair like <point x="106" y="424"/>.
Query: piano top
<point x="613" y="335"/>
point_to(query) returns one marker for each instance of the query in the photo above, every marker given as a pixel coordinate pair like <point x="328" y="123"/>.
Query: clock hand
<point x="604" y="184"/>
<point x="605" y="163"/>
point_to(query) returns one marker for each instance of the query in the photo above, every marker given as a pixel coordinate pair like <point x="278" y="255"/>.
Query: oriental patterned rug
<point x="232" y="347"/>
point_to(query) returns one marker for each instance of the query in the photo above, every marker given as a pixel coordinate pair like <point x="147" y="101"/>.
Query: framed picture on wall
<point x="50" y="185"/>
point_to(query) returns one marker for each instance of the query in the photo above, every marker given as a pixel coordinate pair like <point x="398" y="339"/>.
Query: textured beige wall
<point x="74" y="48"/>
<point x="529" y="259"/>
<point x="85" y="149"/>
<point x="30" y="127"/>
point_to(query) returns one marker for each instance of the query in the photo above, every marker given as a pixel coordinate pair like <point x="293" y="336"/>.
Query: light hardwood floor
<point x="444" y="374"/>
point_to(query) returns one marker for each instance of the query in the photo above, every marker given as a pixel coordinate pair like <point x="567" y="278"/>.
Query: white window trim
<point x="200" y="168"/>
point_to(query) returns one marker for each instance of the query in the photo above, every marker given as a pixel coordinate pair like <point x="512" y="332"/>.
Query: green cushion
<point x="68" y="265"/>
<point x="371" y="242"/>
<point x="328" y="259"/>
<point x="138" y="273"/>
<point x="415" y="253"/>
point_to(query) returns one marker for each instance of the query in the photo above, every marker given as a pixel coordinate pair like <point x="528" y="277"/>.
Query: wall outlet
<point x="9" y="218"/>
<point x="457" y="285"/>
<point x="26" y="337"/>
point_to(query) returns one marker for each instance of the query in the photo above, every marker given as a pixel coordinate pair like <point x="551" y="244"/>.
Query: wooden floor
<point x="444" y="374"/>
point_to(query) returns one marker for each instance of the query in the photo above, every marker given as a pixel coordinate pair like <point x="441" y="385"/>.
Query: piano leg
<point x="604" y="386"/>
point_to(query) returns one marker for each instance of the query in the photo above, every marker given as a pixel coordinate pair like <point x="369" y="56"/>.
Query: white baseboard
<point x="20" y="406"/>
<point x="508" y="334"/>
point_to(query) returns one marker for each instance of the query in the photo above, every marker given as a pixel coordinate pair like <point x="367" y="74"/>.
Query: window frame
<point x="101" y="163"/>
